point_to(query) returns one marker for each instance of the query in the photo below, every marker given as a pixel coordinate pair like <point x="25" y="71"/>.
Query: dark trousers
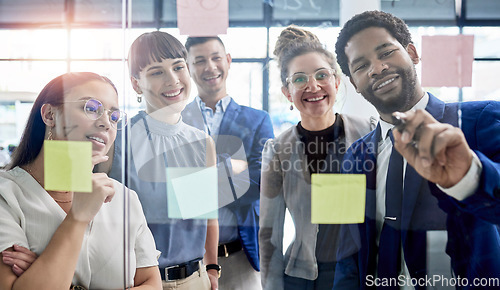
<point x="326" y="272"/>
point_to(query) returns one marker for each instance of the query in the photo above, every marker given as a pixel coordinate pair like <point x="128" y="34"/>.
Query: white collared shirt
<point x="383" y="156"/>
<point x="212" y="120"/>
<point x="463" y="189"/>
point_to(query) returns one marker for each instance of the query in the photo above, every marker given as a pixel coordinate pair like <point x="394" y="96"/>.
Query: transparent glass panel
<point x="106" y="43"/>
<point x="28" y="76"/>
<point x="482" y="9"/>
<point x="279" y="107"/>
<point x="244" y="84"/>
<point x="244" y="10"/>
<point x="110" y="11"/>
<point x="33" y="44"/>
<point x="28" y="11"/>
<point x="142" y="11"/>
<point x="484" y="85"/>
<point x="306" y="10"/>
<point x="483" y="76"/>
<point x="13" y="117"/>
<point x="445" y="94"/>
<point x="30" y="58"/>
<point x="7" y="128"/>
<point x="169" y="12"/>
<point x="20" y="84"/>
<point x="132" y="34"/>
<point x="153" y="165"/>
<point x="246" y="42"/>
<point x="239" y="10"/>
<point x="326" y="34"/>
<point x="98" y="11"/>
<point x="486" y="41"/>
<point x="420" y="10"/>
<point x="418" y="32"/>
<point x="484" y="82"/>
<point x="114" y="70"/>
<point x="117" y="72"/>
<point x="174" y="32"/>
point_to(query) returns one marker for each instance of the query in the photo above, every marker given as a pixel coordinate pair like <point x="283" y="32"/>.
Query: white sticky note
<point x="192" y="192"/>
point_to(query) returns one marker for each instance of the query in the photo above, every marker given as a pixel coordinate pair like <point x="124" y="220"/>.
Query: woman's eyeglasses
<point x="94" y="110"/>
<point x="300" y="80"/>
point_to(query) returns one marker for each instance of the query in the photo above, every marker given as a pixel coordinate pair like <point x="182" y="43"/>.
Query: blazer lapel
<point x="230" y="116"/>
<point x="435" y="107"/>
<point x="416" y="192"/>
<point x="412" y="180"/>
<point x="368" y="229"/>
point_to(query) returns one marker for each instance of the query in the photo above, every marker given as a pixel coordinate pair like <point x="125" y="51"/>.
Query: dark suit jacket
<point x="472" y="224"/>
<point x="243" y="133"/>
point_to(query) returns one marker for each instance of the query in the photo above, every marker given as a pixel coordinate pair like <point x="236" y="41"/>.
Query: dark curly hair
<point x="394" y="25"/>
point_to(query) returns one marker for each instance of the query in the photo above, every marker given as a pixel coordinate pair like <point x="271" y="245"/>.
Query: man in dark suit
<point x="240" y="133"/>
<point x="451" y="177"/>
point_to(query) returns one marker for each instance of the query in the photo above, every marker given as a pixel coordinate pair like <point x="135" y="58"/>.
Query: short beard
<point x="405" y="101"/>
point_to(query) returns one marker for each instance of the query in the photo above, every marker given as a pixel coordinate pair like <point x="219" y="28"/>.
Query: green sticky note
<point x="338" y="198"/>
<point x="192" y="192"/>
<point x="68" y="165"/>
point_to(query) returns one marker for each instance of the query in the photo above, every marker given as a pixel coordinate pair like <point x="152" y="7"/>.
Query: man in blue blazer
<point x="240" y="133"/>
<point x="451" y="180"/>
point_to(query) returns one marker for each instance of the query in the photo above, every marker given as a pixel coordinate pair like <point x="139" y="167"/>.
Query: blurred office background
<point x="41" y="39"/>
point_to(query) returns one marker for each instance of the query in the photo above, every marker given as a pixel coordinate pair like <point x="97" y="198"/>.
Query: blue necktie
<point x="389" y="255"/>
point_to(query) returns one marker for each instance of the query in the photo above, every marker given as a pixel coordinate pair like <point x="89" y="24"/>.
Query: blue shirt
<point x="154" y="145"/>
<point x="228" y="225"/>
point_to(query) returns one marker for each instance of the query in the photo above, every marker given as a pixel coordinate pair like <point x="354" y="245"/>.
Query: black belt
<point x="181" y="271"/>
<point x="225" y="250"/>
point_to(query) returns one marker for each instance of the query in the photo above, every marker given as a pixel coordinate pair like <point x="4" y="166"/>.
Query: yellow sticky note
<point x="192" y="192"/>
<point x="68" y="165"/>
<point x="338" y="198"/>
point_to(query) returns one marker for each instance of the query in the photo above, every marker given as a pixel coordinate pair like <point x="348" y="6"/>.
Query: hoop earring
<point x="291" y="107"/>
<point x="139" y="98"/>
<point x="50" y="136"/>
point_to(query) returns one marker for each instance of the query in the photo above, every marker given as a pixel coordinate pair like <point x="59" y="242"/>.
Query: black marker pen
<point x="400" y="125"/>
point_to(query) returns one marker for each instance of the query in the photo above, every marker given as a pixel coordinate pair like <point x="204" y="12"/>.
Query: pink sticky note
<point x="447" y="60"/>
<point x="202" y="17"/>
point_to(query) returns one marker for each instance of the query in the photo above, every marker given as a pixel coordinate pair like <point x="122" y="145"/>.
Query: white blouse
<point x="29" y="217"/>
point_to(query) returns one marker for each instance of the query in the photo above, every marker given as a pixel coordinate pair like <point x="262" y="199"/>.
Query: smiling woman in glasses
<point x="317" y="144"/>
<point x="94" y="109"/>
<point x="323" y="76"/>
<point x="56" y="239"/>
<point x="159" y="143"/>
